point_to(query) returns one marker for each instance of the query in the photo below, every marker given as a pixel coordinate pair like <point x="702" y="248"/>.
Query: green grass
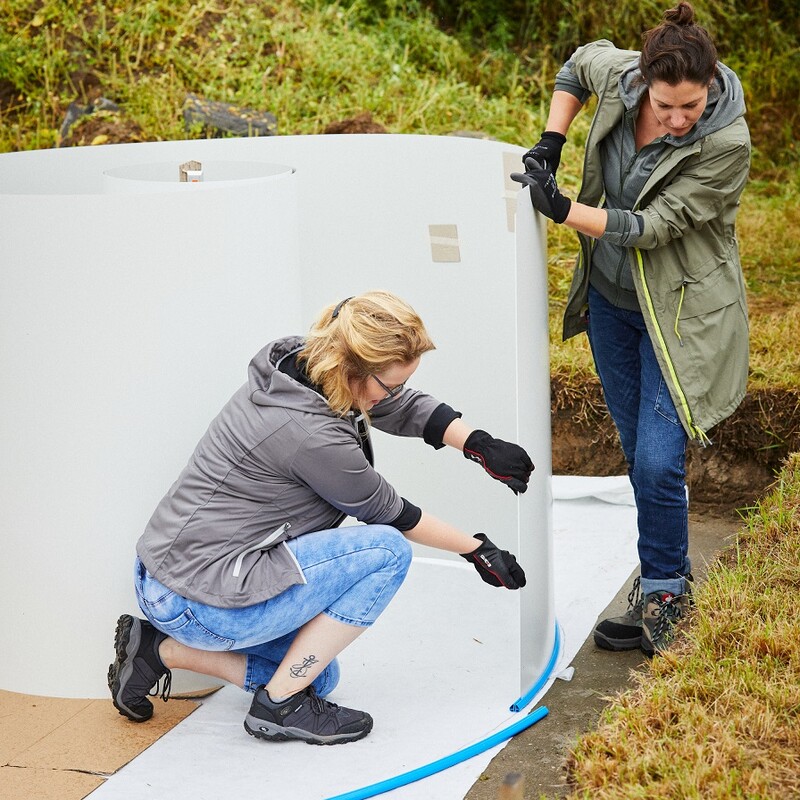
<point x="718" y="716"/>
<point x="769" y="232"/>
<point x="308" y="63"/>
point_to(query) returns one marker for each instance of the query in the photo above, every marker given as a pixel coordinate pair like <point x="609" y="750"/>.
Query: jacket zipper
<point x="696" y="431"/>
<point x="628" y="126"/>
<point x="237" y="567"/>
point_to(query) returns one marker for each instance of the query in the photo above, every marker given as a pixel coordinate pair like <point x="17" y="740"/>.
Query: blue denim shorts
<point x="351" y="574"/>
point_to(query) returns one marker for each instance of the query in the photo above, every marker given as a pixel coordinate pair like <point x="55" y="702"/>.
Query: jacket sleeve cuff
<point x="437" y="424"/>
<point x="409" y="517"/>
<point x="623" y="228"/>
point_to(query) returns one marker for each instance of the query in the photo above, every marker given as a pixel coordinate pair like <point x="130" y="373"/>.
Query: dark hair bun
<point x="682" y="14"/>
<point x="678" y="49"/>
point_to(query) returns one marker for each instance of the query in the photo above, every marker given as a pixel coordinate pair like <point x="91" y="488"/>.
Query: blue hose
<point x="523" y="701"/>
<point x="475" y="749"/>
<point x="447" y="761"/>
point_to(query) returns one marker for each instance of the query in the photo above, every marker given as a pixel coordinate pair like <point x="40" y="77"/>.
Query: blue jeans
<point x="653" y="440"/>
<point x="352" y="573"/>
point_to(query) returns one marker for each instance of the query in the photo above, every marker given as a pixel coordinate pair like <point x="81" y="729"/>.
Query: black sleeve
<point x="435" y="427"/>
<point x="409" y="517"/>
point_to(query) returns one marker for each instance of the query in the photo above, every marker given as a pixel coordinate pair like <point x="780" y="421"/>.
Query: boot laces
<point x="318" y="704"/>
<point x="668" y="612"/>
<point x="635" y="595"/>
<point x="162" y="689"/>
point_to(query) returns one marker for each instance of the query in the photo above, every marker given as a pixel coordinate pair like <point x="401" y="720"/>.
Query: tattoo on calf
<point x="301" y="670"/>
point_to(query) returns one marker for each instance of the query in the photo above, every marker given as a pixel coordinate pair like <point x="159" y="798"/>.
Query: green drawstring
<point x="678" y="315"/>
<point x="701" y="436"/>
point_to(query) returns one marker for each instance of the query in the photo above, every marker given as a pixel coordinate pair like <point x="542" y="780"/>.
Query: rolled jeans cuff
<point x="675" y="586"/>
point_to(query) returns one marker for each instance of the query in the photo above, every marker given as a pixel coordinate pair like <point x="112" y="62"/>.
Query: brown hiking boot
<point x="662" y="612"/>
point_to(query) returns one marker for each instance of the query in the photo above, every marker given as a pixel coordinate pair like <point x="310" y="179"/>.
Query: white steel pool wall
<point x="130" y="308"/>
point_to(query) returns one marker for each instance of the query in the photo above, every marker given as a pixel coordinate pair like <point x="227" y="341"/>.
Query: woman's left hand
<point x="495" y="566"/>
<point x="504" y="461"/>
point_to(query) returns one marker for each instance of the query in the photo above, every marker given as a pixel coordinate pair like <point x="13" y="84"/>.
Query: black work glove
<point x="545" y="196"/>
<point x="504" y="461"/>
<point x="496" y="567"/>
<point x="548" y="151"/>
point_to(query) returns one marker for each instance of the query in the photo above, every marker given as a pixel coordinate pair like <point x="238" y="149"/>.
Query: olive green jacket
<point x="686" y="266"/>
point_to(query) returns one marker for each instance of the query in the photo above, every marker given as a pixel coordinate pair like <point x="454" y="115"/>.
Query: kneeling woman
<point x="243" y="573"/>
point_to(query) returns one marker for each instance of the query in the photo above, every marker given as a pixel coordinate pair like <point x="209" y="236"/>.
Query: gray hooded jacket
<point x="275" y="463"/>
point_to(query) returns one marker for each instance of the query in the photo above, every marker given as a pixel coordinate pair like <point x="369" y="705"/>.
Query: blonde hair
<point x="358" y="337"/>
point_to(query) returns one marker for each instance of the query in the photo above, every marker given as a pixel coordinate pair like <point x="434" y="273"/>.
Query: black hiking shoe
<point x="625" y="632"/>
<point x="305" y="716"/>
<point x="662" y="612"/>
<point x="137" y="668"/>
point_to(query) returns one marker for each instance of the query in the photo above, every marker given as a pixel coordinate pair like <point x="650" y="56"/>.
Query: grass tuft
<point x="309" y="63"/>
<point x="719" y="715"/>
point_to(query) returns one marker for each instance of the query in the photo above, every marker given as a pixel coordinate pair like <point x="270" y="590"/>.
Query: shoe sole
<point x="271" y="732"/>
<point x="650" y="650"/>
<point x="127" y="638"/>
<point x="617" y="645"/>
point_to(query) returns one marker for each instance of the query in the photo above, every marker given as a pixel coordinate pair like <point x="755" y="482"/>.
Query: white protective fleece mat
<point x="431" y="672"/>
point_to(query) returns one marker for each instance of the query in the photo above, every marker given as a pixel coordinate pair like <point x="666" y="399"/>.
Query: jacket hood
<point x="274" y="379"/>
<point x="725" y="101"/>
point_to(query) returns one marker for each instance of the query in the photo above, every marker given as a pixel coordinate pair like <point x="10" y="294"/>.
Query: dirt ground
<point x="747" y="452"/>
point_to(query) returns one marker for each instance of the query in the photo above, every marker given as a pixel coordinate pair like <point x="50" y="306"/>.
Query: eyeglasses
<point x="389" y="392"/>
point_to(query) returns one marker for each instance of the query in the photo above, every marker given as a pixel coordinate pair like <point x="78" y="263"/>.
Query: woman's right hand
<point x="547" y="151"/>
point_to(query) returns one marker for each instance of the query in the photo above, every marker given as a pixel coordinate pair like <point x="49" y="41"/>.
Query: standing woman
<point x="658" y="284"/>
<point x="243" y="573"/>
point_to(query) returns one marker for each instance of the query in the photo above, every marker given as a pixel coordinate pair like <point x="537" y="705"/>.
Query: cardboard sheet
<point x="63" y="748"/>
<point x="45" y="784"/>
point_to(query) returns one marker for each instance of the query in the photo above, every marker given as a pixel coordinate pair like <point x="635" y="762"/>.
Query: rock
<point x="220" y="118"/>
<point x="76" y="111"/>
<point x="99" y="122"/>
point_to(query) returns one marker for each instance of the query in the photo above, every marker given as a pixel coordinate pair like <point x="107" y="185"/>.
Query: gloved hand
<point x="504" y="461"/>
<point x="545" y="196"/>
<point x="548" y="151"/>
<point x="496" y="567"/>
